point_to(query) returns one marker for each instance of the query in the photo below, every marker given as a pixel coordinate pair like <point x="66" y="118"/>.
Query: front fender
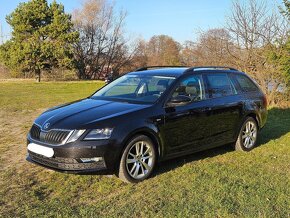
<point x="143" y="128"/>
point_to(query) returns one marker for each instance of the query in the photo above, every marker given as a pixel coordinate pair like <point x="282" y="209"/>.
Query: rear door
<point x="253" y="98"/>
<point x="225" y="107"/>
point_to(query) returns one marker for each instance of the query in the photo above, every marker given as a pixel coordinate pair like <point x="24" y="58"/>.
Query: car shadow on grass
<point x="172" y="164"/>
<point x="278" y="124"/>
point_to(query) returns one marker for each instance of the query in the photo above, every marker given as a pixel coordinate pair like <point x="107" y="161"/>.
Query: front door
<point x="187" y="126"/>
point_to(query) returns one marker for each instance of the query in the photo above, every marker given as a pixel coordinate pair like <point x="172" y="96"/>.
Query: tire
<point x="136" y="166"/>
<point x="247" y="137"/>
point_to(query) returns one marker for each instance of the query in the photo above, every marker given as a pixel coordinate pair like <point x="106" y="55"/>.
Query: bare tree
<point x="257" y="31"/>
<point x="102" y="45"/>
<point x="211" y="48"/>
<point x="163" y="50"/>
<point x="140" y="57"/>
<point x="159" y="50"/>
<point x="188" y="54"/>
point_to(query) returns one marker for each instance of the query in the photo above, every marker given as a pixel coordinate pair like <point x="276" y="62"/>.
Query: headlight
<point x="75" y="135"/>
<point x="96" y="134"/>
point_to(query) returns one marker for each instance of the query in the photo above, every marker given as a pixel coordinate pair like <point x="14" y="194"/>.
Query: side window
<point x="192" y="87"/>
<point x="219" y="85"/>
<point x="246" y="84"/>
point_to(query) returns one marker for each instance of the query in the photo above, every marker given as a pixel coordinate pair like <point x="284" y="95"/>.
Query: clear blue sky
<point x="180" y="19"/>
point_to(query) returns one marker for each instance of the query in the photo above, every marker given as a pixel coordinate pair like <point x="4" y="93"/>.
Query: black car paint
<point x="216" y="122"/>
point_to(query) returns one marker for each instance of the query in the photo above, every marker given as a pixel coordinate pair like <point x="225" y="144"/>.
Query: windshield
<point x="139" y="88"/>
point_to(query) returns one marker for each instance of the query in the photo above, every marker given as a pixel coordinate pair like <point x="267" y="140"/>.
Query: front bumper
<point x="66" y="164"/>
<point x="69" y="157"/>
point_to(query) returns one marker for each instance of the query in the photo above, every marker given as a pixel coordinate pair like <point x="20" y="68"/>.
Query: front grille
<point x="54" y="137"/>
<point x="35" y="132"/>
<point x="66" y="163"/>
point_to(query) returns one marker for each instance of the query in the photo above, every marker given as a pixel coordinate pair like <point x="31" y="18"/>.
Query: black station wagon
<point x="149" y="115"/>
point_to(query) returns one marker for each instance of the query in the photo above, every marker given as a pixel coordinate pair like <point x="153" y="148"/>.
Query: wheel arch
<point x="238" y="141"/>
<point x="147" y="132"/>
<point x="255" y="117"/>
<point x="250" y="114"/>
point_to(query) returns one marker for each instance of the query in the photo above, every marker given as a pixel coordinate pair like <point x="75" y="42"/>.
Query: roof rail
<point x="210" y="67"/>
<point x="153" y="67"/>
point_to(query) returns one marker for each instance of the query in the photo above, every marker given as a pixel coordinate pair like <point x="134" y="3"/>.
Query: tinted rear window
<point x="245" y="83"/>
<point x="219" y="85"/>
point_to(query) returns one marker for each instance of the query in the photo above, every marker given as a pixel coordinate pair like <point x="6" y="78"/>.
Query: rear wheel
<point x="138" y="160"/>
<point x="247" y="138"/>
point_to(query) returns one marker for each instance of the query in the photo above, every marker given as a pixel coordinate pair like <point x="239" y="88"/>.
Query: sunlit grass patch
<point x="215" y="183"/>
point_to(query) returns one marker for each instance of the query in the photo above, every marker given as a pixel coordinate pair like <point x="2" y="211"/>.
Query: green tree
<point x="285" y="56"/>
<point x="280" y="54"/>
<point x="286" y="11"/>
<point x="42" y="38"/>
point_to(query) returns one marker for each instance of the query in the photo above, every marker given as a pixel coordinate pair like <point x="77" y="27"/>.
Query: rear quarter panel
<point x="254" y="104"/>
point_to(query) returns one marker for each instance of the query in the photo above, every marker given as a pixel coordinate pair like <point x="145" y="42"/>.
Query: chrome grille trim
<point x="52" y="137"/>
<point x="35" y="131"/>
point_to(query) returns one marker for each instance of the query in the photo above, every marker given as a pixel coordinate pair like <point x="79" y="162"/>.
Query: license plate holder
<point x="39" y="149"/>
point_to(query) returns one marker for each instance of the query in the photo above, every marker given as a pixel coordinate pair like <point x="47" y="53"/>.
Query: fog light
<point x="91" y="160"/>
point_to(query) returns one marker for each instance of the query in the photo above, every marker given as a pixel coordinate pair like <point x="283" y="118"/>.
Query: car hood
<point x="84" y="113"/>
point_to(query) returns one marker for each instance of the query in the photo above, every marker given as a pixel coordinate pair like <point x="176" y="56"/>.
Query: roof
<point x="174" y="71"/>
<point x="178" y="71"/>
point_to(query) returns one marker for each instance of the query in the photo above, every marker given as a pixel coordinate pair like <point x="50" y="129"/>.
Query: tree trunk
<point x="38" y="75"/>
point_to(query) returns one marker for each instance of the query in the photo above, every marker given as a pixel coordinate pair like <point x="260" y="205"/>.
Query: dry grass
<point x="215" y="183"/>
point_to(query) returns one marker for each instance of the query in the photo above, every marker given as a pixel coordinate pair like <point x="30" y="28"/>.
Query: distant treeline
<point x="90" y="42"/>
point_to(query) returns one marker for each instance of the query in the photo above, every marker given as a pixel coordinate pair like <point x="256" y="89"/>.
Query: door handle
<point x="206" y="109"/>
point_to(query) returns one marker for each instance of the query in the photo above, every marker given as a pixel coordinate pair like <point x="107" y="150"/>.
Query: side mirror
<point x="179" y="100"/>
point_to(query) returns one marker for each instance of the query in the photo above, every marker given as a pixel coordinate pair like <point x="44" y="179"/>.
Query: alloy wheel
<point x="139" y="160"/>
<point x="249" y="134"/>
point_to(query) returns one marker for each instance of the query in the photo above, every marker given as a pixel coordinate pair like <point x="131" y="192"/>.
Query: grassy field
<point x="215" y="183"/>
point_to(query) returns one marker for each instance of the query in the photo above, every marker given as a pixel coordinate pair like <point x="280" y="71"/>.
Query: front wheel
<point x="247" y="138"/>
<point x="138" y="160"/>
